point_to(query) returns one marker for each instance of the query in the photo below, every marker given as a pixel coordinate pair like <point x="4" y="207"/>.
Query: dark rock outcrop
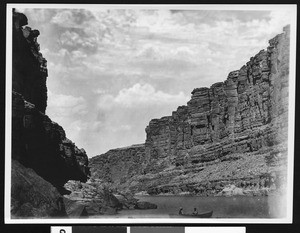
<point x="29" y="66"/>
<point x="42" y="145"/>
<point x="234" y="132"/>
<point x="32" y="196"/>
<point x="43" y="159"/>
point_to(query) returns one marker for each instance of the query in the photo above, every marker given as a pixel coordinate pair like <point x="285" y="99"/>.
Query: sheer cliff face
<point x="118" y="165"/>
<point x="38" y="144"/>
<point x="244" y="115"/>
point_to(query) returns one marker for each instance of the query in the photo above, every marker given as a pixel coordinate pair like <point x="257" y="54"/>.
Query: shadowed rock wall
<point x="29" y="68"/>
<point x="40" y="149"/>
<point x="41" y="144"/>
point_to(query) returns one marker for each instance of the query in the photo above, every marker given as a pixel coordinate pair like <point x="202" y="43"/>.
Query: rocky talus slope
<point x="233" y="133"/>
<point x="98" y="199"/>
<point x="43" y="159"/>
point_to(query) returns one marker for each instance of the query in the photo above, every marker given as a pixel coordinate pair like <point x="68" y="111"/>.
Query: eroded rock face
<point x="242" y="114"/>
<point x="234" y="132"/>
<point x="118" y="165"/>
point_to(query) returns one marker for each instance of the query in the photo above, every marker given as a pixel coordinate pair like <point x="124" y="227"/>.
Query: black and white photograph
<point x="150" y="113"/>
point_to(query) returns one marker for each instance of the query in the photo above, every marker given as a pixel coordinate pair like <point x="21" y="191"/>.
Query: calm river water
<point x="223" y="207"/>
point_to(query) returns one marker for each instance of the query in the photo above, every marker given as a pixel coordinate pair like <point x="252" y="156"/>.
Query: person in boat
<point x="180" y="211"/>
<point x="195" y="211"/>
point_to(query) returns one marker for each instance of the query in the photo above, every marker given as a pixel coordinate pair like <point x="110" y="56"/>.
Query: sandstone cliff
<point x="234" y="132"/>
<point x="42" y="156"/>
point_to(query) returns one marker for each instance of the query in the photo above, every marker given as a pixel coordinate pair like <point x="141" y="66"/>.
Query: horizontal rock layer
<point x="234" y="132"/>
<point x="118" y="165"/>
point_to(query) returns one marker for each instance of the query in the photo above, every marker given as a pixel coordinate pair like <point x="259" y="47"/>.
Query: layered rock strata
<point x="42" y="156"/>
<point x="234" y="132"/>
<point x="118" y="165"/>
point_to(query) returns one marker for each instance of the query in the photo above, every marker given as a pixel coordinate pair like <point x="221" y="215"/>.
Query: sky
<point x="110" y="71"/>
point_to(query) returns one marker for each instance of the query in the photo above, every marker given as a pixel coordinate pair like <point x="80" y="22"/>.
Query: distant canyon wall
<point x="234" y="132"/>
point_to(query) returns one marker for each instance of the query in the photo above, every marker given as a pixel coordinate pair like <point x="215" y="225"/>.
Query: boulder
<point x="127" y="201"/>
<point x="96" y="197"/>
<point x="75" y="209"/>
<point x="231" y="190"/>
<point x="32" y="196"/>
<point x="145" y="205"/>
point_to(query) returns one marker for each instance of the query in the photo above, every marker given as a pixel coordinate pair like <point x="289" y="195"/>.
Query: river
<point x="223" y="207"/>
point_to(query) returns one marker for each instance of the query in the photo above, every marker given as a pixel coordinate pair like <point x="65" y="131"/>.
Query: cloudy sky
<point x="113" y="70"/>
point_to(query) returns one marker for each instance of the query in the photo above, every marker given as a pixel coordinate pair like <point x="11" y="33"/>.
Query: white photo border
<point x="291" y="121"/>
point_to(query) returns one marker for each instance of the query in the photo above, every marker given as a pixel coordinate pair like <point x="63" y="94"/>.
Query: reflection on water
<point x="223" y="207"/>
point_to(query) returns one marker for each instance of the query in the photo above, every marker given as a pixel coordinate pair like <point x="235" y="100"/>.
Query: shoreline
<point x="232" y="193"/>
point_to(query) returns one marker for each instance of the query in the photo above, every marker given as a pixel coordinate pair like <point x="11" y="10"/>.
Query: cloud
<point x="99" y="91"/>
<point x="72" y="18"/>
<point x="139" y="94"/>
<point x="146" y="94"/>
<point x="70" y="39"/>
<point x="70" y="112"/>
<point x="65" y="105"/>
<point x="111" y="70"/>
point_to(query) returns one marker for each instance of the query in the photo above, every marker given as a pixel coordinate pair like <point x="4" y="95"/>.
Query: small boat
<point x="200" y="215"/>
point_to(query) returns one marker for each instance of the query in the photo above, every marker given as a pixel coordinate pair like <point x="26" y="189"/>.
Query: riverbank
<point x="228" y="191"/>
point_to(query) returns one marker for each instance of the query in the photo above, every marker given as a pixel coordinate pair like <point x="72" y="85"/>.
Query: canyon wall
<point x="234" y="132"/>
<point x="118" y="165"/>
<point x="42" y="156"/>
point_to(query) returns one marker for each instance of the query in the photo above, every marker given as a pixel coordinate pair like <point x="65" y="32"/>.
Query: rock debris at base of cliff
<point x="231" y="136"/>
